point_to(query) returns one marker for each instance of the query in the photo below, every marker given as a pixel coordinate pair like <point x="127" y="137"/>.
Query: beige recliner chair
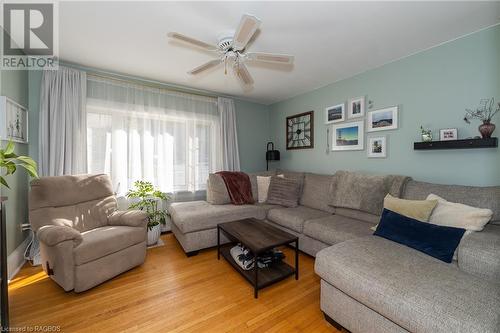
<point x="84" y="240"/>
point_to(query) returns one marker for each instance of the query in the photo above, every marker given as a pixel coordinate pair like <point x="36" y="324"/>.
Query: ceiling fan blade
<point x="204" y="67"/>
<point x="270" y="57"/>
<point x="248" y="25"/>
<point x="192" y="41"/>
<point x="243" y="74"/>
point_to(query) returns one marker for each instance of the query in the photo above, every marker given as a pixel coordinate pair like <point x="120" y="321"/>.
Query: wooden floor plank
<point x="172" y="293"/>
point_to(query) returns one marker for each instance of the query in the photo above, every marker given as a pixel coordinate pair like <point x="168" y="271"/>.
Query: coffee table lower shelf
<point x="266" y="275"/>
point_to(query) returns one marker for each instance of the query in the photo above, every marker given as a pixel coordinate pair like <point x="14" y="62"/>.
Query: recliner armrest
<point x="130" y="218"/>
<point x="52" y="235"/>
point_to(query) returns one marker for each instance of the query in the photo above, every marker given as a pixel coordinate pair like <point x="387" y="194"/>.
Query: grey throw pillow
<point x="216" y="190"/>
<point x="284" y="192"/>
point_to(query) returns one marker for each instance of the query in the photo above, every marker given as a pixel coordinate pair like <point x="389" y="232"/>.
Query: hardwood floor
<point x="172" y="293"/>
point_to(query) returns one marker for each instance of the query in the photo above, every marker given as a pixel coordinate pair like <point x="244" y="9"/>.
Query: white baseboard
<point x="15" y="260"/>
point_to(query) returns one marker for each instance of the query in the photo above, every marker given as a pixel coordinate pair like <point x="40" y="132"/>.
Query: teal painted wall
<point x="14" y="84"/>
<point x="252" y="123"/>
<point x="432" y="89"/>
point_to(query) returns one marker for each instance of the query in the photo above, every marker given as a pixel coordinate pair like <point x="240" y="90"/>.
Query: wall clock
<point x="300" y="131"/>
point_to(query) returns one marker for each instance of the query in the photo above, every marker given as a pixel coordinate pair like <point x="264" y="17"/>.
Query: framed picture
<point x="335" y="114"/>
<point x="300" y="131"/>
<point x="383" y="119"/>
<point x="377" y="147"/>
<point x="13" y="121"/>
<point x="356" y="107"/>
<point x="448" y="134"/>
<point x="348" y="136"/>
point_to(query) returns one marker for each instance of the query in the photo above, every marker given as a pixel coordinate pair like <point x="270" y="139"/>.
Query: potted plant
<point x="485" y="112"/>
<point x="426" y="134"/>
<point x="147" y="197"/>
<point x="9" y="161"/>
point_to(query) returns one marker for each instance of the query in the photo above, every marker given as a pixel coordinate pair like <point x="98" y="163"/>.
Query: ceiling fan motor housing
<point x="225" y="40"/>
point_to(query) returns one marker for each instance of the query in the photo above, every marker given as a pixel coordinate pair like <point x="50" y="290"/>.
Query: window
<point x="141" y="133"/>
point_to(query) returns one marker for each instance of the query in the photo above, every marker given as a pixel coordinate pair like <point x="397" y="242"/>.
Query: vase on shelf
<point x="486" y="129"/>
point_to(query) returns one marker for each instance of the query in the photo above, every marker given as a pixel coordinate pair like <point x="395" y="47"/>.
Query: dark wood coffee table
<point x="258" y="237"/>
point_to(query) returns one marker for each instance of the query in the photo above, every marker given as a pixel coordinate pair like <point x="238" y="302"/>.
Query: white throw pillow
<point x="458" y="215"/>
<point x="263" y="188"/>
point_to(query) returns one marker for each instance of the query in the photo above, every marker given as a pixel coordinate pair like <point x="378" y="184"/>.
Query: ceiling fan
<point x="231" y="50"/>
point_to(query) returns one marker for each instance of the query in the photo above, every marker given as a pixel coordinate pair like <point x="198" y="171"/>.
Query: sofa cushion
<point x="294" y="218"/>
<point x="358" y="215"/>
<point x="362" y="191"/>
<point x="217" y="193"/>
<point x="100" y="242"/>
<point x="336" y="228"/>
<point x="416" y="209"/>
<point x="316" y="192"/>
<point x="475" y="196"/>
<point x="415" y="291"/>
<point x="200" y="215"/>
<point x="479" y="253"/>
<point x="435" y="240"/>
<point x="253" y="181"/>
<point x="284" y="192"/>
<point x="458" y="215"/>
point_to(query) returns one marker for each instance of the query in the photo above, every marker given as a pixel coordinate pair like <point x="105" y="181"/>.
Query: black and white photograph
<point x="356" y="107"/>
<point x="335" y="114"/>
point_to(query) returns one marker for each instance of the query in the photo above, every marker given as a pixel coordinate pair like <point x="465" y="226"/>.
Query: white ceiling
<point x="330" y="40"/>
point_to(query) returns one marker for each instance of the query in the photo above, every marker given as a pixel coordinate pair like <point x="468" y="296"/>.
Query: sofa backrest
<point x="481" y="197"/>
<point x="316" y="191"/>
<point x="364" y="192"/>
<point x="82" y="202"/>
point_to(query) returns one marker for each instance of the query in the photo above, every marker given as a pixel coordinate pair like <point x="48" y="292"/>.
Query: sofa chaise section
<point x="414" y="291"/>
<point x="195" y="222"/>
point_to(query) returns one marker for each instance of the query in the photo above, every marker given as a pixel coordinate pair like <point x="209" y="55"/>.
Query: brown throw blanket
<point x="238" y="186"/>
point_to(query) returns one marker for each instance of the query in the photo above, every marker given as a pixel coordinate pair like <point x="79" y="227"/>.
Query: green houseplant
<point x="146" y="198"/>
<point x="10" y="161"/>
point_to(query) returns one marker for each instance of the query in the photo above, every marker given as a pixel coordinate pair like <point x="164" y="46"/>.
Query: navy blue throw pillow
<point x="437" y="241"/>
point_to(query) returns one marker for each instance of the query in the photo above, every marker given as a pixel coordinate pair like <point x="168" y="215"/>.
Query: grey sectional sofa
<point x="370" y="284"/>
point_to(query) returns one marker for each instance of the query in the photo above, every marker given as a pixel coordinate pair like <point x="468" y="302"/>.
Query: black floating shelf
<point x="457" y="144"/>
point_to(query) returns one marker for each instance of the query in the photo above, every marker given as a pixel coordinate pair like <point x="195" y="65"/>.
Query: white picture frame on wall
<point x="335" y="114"/>
<point x="356" y="107"/>
<point x="382" y="119"/>
<point x="348" y="136"/>
<point x="13" y="121"/>
<point x="377" y="147"/>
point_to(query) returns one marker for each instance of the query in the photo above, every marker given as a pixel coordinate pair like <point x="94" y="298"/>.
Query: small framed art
<point x="335" y="114"/>
<point x="377" y="147"/>
<point x="348" y="136"/>
<point x="383" y="119"/>
<point x="448" y="134"/>
<point x="356" y="107"/>
<point x="13" y="121"/>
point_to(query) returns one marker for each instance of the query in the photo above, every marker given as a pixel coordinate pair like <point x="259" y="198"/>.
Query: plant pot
<point x="486" y="129"/>
<point x="154" y="234"/>
<point x="427" y="137"/>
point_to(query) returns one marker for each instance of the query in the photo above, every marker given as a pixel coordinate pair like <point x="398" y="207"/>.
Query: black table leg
<point x="218" y="243"/>
<point x="256" y="282"/>
<point x="297" y="259"/>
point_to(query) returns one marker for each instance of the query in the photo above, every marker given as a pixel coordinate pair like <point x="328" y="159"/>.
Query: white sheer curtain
<point x="229" y="135"/>
<point x="62" y="127"/>
<point x="142" y="133"/>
